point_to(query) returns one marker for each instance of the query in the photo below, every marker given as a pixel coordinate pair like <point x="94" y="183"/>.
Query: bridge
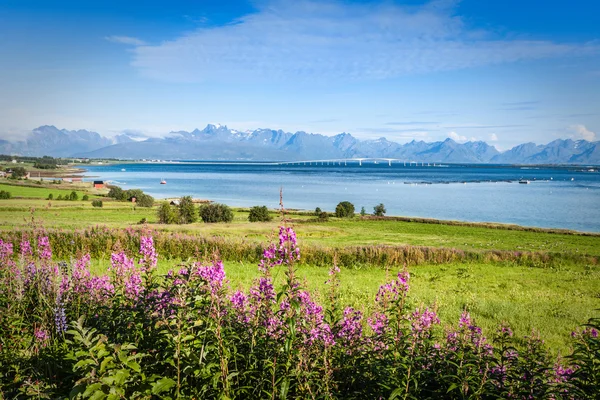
<point x="359" y="161"/>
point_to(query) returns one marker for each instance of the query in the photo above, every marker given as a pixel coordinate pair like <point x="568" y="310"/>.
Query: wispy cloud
<point x="493" y="137"/>
<point x="413" y="123"/>
<point x="132" y="41"/>
<point x="475" y="126"/>
<point x="336" y="40"/>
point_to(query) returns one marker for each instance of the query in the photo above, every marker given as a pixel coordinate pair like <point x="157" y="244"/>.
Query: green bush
<point x="259" y="214"/>
<point x="73" y="196"/>
<point x="97" y="203"/>
<point x="144" y="200"/>
<point x="215" y="212"/>
<point x="50" y="196"/>
<point x="344" y="209"/>
<point x="379" y="210"/>
<point x="167" y="214"/>
<point x="4" y="195"/>
<point x="318" y="211"/>
<point x="60" y="197"/>
<point x="363" y="212"/>
<point x="17" y="172"/>
<point x="187" y="210"/>
<point x="116" y="193"/>
<point x="323" y="216"/>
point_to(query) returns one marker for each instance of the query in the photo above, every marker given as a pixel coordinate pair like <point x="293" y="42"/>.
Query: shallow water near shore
<point x="555" y="197"/>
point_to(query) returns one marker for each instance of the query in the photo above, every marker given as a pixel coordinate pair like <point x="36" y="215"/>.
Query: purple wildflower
<point x="149" y="256"/>
<point x="60" y="319"/>
<point x="44" y="249"/>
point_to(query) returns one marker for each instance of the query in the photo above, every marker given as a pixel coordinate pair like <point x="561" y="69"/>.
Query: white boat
<point x="122" y="169"/>
<point x="524" y="182"/>
<point x="163" y="182"/>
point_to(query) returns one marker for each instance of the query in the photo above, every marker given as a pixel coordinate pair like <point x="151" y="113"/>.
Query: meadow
<point x="531" y="279"/>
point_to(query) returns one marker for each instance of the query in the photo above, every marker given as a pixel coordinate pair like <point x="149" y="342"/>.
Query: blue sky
<point x="505" y="72"/>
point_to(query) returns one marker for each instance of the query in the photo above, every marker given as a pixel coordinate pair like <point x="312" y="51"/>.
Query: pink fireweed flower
<point x="6" y="250"/>
<point x="263" y="292"/>
<point x="121" y="267"/>
<point x="44" y="249"/>
<point x="393" y="291"/>
<point x="286" y="252"/>
<point x="422" y="321"/>
<point x="41" y="336"/>
<point x="26" y="250"/>
<point x="149" y="256"/>
<point x="378" y="323"/>
<point x="214" y="275"/>
<point x="350" y="327"/>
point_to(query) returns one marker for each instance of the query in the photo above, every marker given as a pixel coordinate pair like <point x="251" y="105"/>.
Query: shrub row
<point x="99" y="242"/>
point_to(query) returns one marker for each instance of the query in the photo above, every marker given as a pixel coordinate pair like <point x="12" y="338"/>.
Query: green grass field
<point x="42" y="192"/>
<point x="334" y="233"/>
<point x="553" y="301"/>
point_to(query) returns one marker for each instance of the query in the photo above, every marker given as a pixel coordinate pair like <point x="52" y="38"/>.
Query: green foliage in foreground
<point x="4" y="195"/>
<point x="134" y="333"/>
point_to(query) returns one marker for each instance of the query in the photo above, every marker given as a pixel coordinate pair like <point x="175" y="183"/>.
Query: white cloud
<point x="581" y="132"/>
<point x="456" y="137"/>
<point x="334" y="40"/>
<point x="132" y="41"/>
<point x="493" y="137"/>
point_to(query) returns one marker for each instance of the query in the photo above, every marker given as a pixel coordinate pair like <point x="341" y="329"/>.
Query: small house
<point x="99" y="185"/>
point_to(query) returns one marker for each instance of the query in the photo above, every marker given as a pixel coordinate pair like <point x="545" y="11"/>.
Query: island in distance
<point x="217" y="142"/>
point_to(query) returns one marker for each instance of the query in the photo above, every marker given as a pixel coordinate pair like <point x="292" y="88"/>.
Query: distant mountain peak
<point x="217" y="141"/>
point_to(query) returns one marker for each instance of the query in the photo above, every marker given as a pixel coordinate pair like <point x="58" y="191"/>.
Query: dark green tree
<point x="379" y="210"/>
<point x="167" y="214"/>
<point x="187" y="210"/>
<point x="73" y="196"/>
<point x="116" y="193"/>
<point x="216" y="212"/>
<point x="259" y="214"/>
<point x="363" y="212"/>
<point x="344" y="209"/>
<point x="97" y="203"/>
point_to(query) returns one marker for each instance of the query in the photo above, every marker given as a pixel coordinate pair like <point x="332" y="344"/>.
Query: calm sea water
<point x="555" y="198"/>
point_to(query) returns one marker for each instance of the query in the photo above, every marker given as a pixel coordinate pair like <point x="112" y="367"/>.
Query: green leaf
<point x="93" y="388"/>
<point x="134" y="366"/>
<point x="163" y="385"/>
<point x="285" y="386"/>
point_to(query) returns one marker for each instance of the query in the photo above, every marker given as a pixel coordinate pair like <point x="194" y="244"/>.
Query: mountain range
<point x="217" y="142"/>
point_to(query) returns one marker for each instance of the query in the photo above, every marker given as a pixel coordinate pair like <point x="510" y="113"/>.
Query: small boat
<point x="122" y="169"/>
<point x="524" y="182"/>
<point x="163" y="182"/>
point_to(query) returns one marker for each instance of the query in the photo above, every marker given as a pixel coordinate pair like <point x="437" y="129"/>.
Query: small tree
<point x="18" y="172"/>
<point x="363" y="212"/>
<point x="50" y="196"/>
<point x="167" y="214"/>
<point x="85" y="197"/>
<point x="73" y="196"/>
<point x="187" y="211"/>
<point x="144" y="200"/>
<point x="4" y="195"/>
<point x="344" y="209"/>
<point x="97" y="203"/>
<point x="116" y="193"/>
<point x="379" y="210"/>
<point x="216" y="212"/>
<point x="59" y="197"/>
<point x="259" y="214"/>
<point x="318" y="211"/>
